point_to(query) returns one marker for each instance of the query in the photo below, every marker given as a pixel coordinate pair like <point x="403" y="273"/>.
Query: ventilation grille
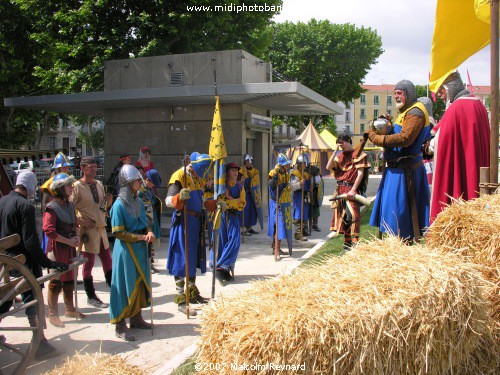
<point x="175" y="79"/>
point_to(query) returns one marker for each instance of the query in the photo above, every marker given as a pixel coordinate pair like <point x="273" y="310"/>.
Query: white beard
<point x="399" y="105"/>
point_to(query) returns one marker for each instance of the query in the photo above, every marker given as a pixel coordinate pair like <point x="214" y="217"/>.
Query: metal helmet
<point x="453" y="84"/>
<point x="249" y="158"/>
<point x="60" y="180"/>
<point x="427" y="104"/>
<point x="201" y="163"/>
<point x="128" y="174"/>
<point x="382" y="126"/>
<point x="303" y="158"/>
<point x="282" y="160"/>
<point x="411" y="94"/>
<point x="60" y="161"/>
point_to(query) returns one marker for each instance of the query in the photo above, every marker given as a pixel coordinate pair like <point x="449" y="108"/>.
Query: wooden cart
<point x="16" y="278"/>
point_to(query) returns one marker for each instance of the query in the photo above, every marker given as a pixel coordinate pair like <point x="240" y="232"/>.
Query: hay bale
<point x="96" y="363"/>
<point x="472" y="228"/>
<point x="384" y="308"/>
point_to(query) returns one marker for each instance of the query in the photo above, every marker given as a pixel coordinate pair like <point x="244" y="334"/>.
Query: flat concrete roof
<point x="282" y="98"/>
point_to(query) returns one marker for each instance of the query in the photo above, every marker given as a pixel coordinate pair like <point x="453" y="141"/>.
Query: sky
<point x="406" y="28"/>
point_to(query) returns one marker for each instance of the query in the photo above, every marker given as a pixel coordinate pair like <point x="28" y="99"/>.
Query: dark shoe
<point x="154" y="269"/>
<point x="122" y="332"/>
<point x="2" y="339"/>
<point x="46" y="351"/>
<point x="79" y="282"/>
<point x="252" y="231"/>
<point x="220" y="275"/>
<point x="281" y="252"/>
<point x="96" y="302"/>
<point x="108" y="275"/>
<point x="316" y="228"/>
<point x="183" y="309"/>
<point x="138" y="322"/>
<point x="247" y="233"/>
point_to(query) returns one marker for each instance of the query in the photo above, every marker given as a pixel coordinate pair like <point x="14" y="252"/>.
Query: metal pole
<point x="494" y="92"/>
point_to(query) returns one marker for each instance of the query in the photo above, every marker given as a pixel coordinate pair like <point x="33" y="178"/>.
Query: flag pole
<point x="494" y="91"/>
<point x="186" y="242"/>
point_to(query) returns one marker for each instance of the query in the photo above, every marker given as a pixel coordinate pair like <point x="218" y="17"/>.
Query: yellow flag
<point x="217" y="149"/>
<point x="458" y="34"/>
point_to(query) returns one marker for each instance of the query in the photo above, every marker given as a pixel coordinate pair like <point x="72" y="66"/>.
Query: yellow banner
<point x="217" y="149"/>
<point x="458" y="34"/>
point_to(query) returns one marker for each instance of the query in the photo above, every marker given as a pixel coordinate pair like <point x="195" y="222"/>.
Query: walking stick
<point x="243" y="225"/>
<point x="302" y="200"/>
<point x="276" y="251"/>
<point x="186" y="243"/>
<point x="75" y="283"/>
<point x="150" y="265"/>
<point x="216" y="232"/>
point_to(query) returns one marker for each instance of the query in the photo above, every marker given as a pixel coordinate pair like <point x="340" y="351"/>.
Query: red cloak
<point x="463" y="147"/>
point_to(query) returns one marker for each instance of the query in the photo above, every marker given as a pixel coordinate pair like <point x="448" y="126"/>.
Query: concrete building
<point x="167" y="104"/>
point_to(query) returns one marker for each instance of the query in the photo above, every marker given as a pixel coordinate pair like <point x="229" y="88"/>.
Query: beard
<point x="399" y="104"/>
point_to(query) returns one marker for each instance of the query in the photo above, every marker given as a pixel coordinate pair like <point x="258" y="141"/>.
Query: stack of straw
<point x="384" y="308"/>
<point x="472" y="228"/>
<point x="97" y="363"/>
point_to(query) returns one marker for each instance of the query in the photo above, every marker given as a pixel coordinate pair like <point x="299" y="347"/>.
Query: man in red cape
<point x="463" y="145"/>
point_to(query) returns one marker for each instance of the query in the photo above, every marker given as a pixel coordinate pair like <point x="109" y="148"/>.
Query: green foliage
<point x="330" y="59"/>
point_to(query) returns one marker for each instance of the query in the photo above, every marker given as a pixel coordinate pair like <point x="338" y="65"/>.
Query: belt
<point x="404" y="162"/>
<point x="343" y="183"/>
<point x="195" y="213"/>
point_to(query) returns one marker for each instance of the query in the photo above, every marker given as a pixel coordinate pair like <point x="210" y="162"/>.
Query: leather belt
<point x="195" y="213"/>
<point x="343" y="183"/>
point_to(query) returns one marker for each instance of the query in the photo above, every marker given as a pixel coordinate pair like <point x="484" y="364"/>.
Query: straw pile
<point x="96" y="363"/>
<point x="472" y="228"/>
<point x="384" y="308"/>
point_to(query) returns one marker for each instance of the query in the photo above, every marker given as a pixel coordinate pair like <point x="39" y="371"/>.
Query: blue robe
<point x="284" y="208"/>
<point x="131" y="280"/>
<point x="197" y="251"/>
<point x="297" y="197"/>
<point x="230" y="234"/>
<point x="391" y="210"/>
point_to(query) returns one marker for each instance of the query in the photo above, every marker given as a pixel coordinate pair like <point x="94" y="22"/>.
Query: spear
<point x="186" y="241"/>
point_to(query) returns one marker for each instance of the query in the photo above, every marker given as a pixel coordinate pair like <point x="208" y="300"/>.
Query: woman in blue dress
<point x="131" y="280"/>
<point x="230" y="233"/>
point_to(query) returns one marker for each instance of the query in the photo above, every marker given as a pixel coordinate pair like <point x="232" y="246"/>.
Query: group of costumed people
<point x="458" y="143"/>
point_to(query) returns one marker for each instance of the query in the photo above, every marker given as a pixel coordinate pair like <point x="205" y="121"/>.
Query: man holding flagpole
<point x="186" y="187"/>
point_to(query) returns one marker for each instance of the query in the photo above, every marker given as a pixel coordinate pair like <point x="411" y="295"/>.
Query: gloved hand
<point x="222" y="205"/>
<point x="375" y="138"/>
<point x="184" y="194"/>
<point x="58" y="266"/>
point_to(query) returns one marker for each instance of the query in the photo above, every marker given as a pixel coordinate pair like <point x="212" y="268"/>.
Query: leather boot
<point x="70" y="311"/>
<point x="55" y="287"/>
<point x="138" y="322"/>
<point x="122" y="332"/>
<point x="45" y="350"/>
<point x="92" y="299"/>
<point x="315" y="225"/>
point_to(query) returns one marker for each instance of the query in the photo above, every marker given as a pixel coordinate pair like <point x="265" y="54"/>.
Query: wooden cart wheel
<point x="10" y="287"/>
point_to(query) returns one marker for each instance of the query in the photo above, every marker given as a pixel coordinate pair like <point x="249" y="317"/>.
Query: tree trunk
<point x="89" y="132"/>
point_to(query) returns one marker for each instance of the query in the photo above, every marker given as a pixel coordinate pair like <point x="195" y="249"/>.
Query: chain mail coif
<point x="130" y="200"/>
<point x="411" y="94"/>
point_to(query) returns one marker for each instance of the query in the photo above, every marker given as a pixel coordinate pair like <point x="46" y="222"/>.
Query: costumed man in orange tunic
<point x="348" y="169"/>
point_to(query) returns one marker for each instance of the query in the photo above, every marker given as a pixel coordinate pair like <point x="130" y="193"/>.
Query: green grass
<point x="334" y="246"/>
<point x="186" y="368"/>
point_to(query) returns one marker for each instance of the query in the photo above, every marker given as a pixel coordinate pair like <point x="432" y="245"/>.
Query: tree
<point x="61" y="45"/>
<point x="330" y="59"/>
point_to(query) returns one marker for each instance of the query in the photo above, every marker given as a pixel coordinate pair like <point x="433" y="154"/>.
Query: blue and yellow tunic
<point x="131" y="280"/>
<point x="176" y="248"/>
<point x="284" y="204"/>
<point x="297" y="196"/>
<point x="391" y="210"/>
<point x="252" y="190"/>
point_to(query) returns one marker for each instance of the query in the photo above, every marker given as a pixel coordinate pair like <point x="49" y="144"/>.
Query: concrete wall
<point x="170" y="131"/>
<point x="235" y="66"/>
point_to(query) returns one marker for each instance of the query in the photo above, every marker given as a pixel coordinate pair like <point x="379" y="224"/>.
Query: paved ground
<point x="174" y="333"/>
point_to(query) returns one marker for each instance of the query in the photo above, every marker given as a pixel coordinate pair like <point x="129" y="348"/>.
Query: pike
<point x="186" y="241"/>
<point x="216" y="233"/>
<point x="276" y="249"/>
<point x="150" y="265"/>
<point x="301" y="197"/>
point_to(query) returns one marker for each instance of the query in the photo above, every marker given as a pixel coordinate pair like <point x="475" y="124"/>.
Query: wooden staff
<point x="150" y="265"/>
<point x="302" y="197"/>
<point x="186" y="242"/>
<point x="276" y="250"/>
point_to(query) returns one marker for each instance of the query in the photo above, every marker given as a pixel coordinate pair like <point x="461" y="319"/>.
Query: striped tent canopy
<point x="314" y="145"/>
<point x="329" y="138"/>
